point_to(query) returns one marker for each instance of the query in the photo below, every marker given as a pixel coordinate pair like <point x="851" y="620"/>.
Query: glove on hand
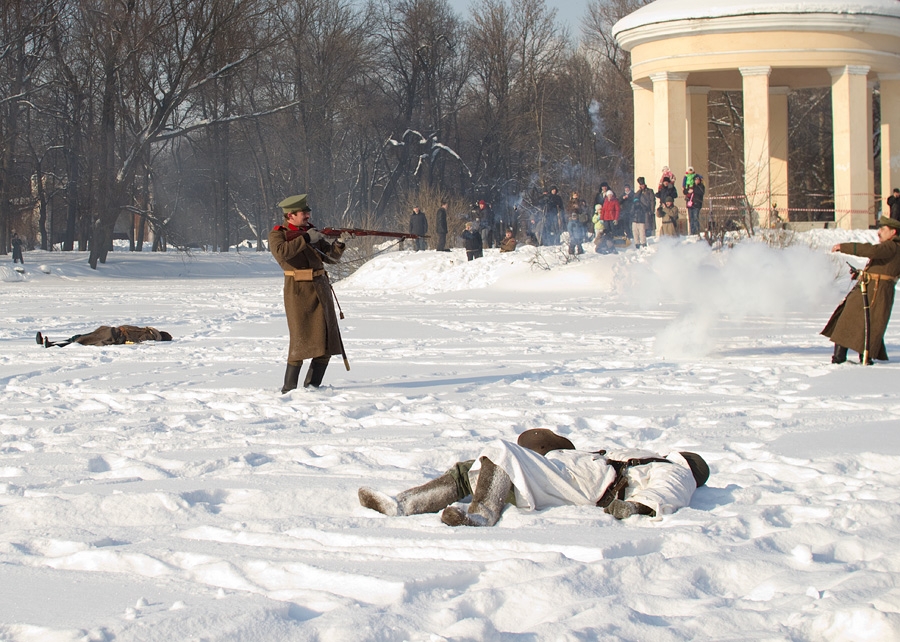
<point x="314" y="235"/>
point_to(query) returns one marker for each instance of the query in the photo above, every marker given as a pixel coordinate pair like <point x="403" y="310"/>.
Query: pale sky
<point x="569" y="11"/>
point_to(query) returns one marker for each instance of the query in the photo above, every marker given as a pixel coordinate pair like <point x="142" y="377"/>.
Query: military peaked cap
<point x="890" y="222"/>
<point x="698" y="465"/>
<point x="542" y="441"/>
<point x="295" y="203"/>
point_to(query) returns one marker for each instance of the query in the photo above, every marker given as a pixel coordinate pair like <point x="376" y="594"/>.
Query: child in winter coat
<point x="688" y="180"/>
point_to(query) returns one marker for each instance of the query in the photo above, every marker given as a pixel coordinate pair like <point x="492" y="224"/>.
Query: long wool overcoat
<point x="309" y="305"/>
<point x="846" y="327"/>
<point x="107" y="335"/>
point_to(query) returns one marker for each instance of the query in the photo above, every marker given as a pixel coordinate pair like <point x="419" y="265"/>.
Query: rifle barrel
<point x="350" y="231"/>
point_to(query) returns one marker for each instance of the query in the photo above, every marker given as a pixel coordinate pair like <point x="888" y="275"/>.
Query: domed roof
<point x="835" y="15"/>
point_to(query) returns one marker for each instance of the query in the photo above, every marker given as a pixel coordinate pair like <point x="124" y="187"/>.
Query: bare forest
<point x="186" y="121"/>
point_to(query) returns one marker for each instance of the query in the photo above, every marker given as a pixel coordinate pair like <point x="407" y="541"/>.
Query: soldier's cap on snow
<point x="165" y="336"/>
<point x="699" y="467"/>
<point x="296" y="203"/>
<point x="890" y="222"/>
<point x="542" y="441"/>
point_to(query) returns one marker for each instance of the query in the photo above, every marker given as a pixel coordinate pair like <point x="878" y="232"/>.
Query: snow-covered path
<point x="168" y="491"/>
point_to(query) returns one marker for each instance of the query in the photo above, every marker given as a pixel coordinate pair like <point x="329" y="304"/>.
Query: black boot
<point x="840" y="354"/>
<point x="291" y="376"/>
<point x="316" y="372"/>
<point x="488" y="500"/>
<point x="39" y="338"/>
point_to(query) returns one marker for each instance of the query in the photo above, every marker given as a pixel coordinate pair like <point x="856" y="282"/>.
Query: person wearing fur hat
<point x="543" y="470"/>
<point x="860" y="321"/>
<point x="667" y="214"/>
<point x="302" y="251"/>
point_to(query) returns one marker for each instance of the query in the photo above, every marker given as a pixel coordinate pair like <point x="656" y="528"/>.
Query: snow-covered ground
<point x="168" y="491"/>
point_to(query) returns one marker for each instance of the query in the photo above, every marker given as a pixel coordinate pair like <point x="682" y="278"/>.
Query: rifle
<point x="351" y="231"/>
<point x="290" y="235"/>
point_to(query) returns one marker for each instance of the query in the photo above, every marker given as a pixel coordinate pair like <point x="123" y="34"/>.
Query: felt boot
<point x="623" y="510"/>
<point x="291" y="376"/>
<point x="487" y="502"/>
<point x="316" y="372"/>
<point x="427" y="498"/>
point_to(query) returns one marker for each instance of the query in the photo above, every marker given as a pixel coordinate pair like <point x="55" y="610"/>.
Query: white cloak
<point x="567" y="477"/>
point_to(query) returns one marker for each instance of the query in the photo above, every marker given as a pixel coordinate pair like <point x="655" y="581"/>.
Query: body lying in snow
<point x="544" y="470"/>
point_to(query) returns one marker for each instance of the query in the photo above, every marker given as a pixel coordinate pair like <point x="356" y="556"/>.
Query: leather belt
<point x="304" y="275"/>
<point x="878" y="277"/>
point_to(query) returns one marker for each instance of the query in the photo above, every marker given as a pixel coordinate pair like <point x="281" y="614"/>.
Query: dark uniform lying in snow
<point x="107" y="335"/>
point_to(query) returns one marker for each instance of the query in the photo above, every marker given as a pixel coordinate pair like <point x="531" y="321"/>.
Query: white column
<point x="851" y="167"/>
<point x="890" y="135"/>
<point x="757" y="182"/>
<point x="778" y="148"/>
<point x="698" y="130"/>
<point x="644" y="134"/>
<point x="870" y="150"/>
<point x="670" y="123"/>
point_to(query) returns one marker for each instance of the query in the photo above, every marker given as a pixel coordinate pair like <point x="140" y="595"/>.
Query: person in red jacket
<point x="610" y="212"/>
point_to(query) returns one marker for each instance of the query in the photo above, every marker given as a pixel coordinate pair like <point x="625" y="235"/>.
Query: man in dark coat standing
<point x="666" y="189"/>
<point x="645" y="205"/>
<point x="17" y="249"/>
<point x="302" y="251"/>
<point x="472" y="241"/>
<point x="418" y="225"/>
<point x="554" y="210"/>
<point x="848" y="325"/>
<point x="440" y="228"/>
<point x="693" y="200"/>
<point x="893" y="202"/>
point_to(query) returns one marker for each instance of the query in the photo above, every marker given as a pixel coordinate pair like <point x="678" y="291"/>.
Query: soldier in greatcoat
<point x="847" y="325"/>
<point x="667" y="214"/>
<point x="108" y="335"/>
<point x="302" y="251"/>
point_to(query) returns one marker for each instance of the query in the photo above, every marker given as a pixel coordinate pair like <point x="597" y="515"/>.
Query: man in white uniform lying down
<point x="543" y="470"/>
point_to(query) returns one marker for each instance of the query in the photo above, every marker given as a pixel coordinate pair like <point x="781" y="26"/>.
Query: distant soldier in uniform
<point x="302" y="251"/>
<point x="108" y="335"/>
<point x="544" y="470"/>
<point x="847" y="327"/>
<point x="667" y="214"/>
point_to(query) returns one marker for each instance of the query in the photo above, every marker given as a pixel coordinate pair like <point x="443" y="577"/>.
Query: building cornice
<point x="804" y="22"/>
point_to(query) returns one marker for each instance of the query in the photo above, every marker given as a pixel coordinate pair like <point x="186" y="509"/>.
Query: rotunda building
<point x="764" y="48"/>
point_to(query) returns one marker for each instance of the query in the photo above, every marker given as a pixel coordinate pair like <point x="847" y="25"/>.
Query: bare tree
<point x="23" y="39"/>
